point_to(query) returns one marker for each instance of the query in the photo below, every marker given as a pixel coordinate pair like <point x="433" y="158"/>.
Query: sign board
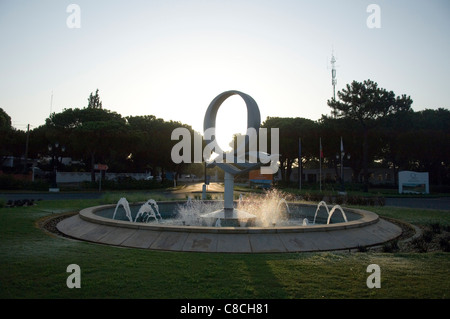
<point x="256" y="175"/>
<point x="413" y="182"/>
<point x="257" y="179"/>
<point x="101" y="167"/>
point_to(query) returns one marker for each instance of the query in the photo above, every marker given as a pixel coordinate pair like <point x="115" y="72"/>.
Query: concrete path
<point x="250" y="241"/>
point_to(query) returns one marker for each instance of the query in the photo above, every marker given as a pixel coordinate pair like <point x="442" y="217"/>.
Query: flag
<point x="342" y="146"/>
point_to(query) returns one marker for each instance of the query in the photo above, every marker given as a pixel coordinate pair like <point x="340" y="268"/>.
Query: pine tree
<point x="94" y="101"/>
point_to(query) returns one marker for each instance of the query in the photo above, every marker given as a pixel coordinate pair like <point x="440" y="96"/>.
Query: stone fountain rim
<point x="367" y="218"/>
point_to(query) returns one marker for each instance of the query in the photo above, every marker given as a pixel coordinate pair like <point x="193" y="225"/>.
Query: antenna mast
<point x="51" y="103"/>
<point x="333" y="81"/>
<point x="333" y="74"/>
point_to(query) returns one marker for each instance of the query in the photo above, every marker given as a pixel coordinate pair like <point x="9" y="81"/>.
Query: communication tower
<point x="333" y="74"/>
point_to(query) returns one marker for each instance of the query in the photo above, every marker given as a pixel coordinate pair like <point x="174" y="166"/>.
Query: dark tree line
<point x="378" y="128"/>
<point x="93" y="135"/>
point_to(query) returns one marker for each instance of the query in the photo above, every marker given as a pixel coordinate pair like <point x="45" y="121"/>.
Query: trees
<point x="366" y="104"/>
<point x="290" y="130"/>
<point x="153" y="148"/>
<point x="12" y="141"/>
<point x="5" y="120"/>
<point x="399" y="138"/>
<point x="94" y="101"/>
<point x="92" y="133"/>
<point x="428" y="144"/>
<point x="5" y="130"/>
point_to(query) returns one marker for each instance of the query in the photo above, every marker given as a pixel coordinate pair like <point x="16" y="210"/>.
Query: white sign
<point x="413" y="182"/>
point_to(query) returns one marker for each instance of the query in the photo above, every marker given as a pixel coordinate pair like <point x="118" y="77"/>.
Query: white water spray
<point x="149" y="210"/>
<point x="123" y="201"/>
<point x="329" y="212"/>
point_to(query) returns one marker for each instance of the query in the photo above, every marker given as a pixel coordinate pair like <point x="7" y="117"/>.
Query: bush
<point x="8" y="182"/>
<point x="391" y="247"/>
<point x="436" y="228"/>
<point x="128" y="184"/>
<point x="339" y="200"/>
<point x="427" y="236"/>
<point x="444" y="243"/>
<point x="420" y="244"/>
<point x="362" y="249"/>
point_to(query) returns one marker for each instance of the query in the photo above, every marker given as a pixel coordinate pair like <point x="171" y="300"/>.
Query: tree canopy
<point x="378" y="129"/>
<point x="94" y="101"/>
<point x="367" y="104"/>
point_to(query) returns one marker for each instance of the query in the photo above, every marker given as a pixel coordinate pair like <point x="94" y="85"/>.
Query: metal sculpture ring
<point x="253" y="114"/>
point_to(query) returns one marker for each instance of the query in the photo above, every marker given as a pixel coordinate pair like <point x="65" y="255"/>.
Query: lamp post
<point x="55" y="149"/>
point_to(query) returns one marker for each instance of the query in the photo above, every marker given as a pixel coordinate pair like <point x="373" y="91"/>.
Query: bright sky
<point x="170" y="58"/>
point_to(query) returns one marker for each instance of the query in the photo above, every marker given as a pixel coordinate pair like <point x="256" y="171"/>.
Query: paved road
<point x="198" y="187"/>
<point x="429" y="203"/>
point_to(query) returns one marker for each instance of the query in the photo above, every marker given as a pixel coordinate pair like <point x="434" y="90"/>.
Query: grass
<point x="33" y="265"/>
<point x="413" y="215"/>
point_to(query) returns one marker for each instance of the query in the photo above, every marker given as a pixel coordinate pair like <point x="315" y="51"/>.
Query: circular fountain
<point x="179" y="226"/>
<point x="260" y="224"/>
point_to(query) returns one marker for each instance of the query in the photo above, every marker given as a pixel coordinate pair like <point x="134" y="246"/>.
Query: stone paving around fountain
<point x="229" y="239"/>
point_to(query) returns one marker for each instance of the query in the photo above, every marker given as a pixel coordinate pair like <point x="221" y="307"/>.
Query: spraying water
<point x="322" y="203"/>
<point x="332" y="212"/>
<point x="271" y="210"/>
<point x="329" y="212"/>
<point x="149" y="210"/>
<point x="124" y="203"/>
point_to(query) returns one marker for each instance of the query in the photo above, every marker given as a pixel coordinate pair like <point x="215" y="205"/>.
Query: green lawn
<point x="33" y="265"/>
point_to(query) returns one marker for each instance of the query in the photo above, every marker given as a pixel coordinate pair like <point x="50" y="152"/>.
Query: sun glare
<point x="231" y="119"/>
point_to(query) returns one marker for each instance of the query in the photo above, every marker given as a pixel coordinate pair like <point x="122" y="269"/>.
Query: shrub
<point x="428" y="236"/>
<point x="390" y="247"/>
<point x="420" y="244"/>
<point x="444" y="242"/>
<point x="8" y="182"/>
<point x="339" y="200"/>
<point x="362" y="249"/>
<point x="126" y="184"/>
<point x="436" y="228"/>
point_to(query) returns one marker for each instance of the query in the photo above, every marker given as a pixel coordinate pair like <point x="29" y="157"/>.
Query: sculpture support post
<point x="228" y="193"/>
<point x="228" y="215"/>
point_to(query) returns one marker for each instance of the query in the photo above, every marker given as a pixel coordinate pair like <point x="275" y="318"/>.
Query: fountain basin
<point x="103" y="214"/>
<point x="368" y="230"/>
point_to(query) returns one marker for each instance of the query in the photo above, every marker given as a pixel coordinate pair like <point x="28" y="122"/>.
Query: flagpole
<point x="342" y="165"/>
<point x="320" y="164"/>
<point x="299" y="163"/>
